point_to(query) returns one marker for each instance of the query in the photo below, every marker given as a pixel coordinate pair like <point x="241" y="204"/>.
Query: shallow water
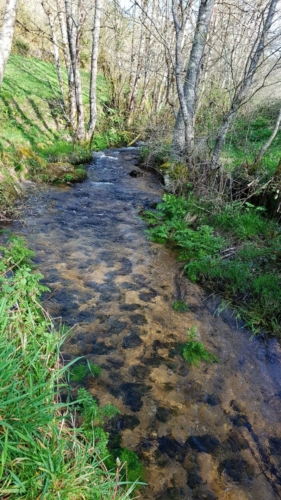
<point x="207" y="432"/>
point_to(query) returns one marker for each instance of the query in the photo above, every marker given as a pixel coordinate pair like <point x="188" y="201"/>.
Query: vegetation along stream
<point x="210" y="431"/>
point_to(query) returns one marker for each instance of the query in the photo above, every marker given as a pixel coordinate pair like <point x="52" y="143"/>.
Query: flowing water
<point x="206" y="432"/>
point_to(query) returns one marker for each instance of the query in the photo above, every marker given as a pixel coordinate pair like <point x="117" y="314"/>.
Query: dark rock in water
<point x="212" y="400"/>
<point x="108" y="287"/>
<point x="127" y="422"/>
<point x="158" y="344"/>
<point x="183" y="370"/>
<point x="163" y="414"/>
<point x="241" y="421"/>
<point x="100" y="348"/>
<point x="236" y="406"/>
<point x="129" y="286"/>
<point x="138" y="319"/>
<point x="126" y="266"/>
<point x="147" y="296"/>
<point x="172" y="448"/>
<point x="129" y="307"/>
<point x="132" y="394"/>
<point x="236" y="441"/>
<point x="193" y="480"/>
<point x="115" y="363"/>
<point x="275" y="445"/>
<point x="204" y="495"/>
<point x="237" y="469"/>
<point x="205" y="443"/>
<point x="116" y="326"/>
<point x="139" y="371"/>
<point x="139" y="279"/>
<point x="132" y="340"/>
<point x="154" y="361"/>
<point x="172" y="494"/>
<point x="87" y="315"/>
<point x="136" y="173"/>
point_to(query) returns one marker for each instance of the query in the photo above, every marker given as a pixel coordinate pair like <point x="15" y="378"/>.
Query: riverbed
<point x="202" y="432"/>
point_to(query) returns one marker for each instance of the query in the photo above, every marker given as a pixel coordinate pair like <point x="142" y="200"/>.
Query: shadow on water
<point x="203" y="433"/>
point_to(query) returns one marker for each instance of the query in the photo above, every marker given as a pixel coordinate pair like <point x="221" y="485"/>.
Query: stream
<point x="203" y="432"/>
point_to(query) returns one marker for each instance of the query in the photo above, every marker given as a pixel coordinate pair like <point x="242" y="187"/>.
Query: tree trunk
<point x="140" y="64"/>
<point x="245" y="84"/>
<point x="70" y="77"/>
<point x="50" y="16"/>
<point x="267" y="143"/>
<point x="6" y="34"/>
<point x="73" y="43"/>
<point x="94" y="70"/>
<point x="183" y="141"/>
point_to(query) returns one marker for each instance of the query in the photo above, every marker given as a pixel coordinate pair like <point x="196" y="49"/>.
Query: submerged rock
<point x="132" y="395"/>
<point x="237" y="469"/>
<point x="204" y="444"/>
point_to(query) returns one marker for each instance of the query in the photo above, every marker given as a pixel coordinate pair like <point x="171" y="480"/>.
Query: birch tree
<point x="94" y="69"/>
<point x="74" y="25"/>
<point x="184" y="131"/>
<point x="49" y="13"/>
<point x="6" y="34"/>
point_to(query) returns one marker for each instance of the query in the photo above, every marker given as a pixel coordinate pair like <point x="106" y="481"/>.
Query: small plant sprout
<point x="180" y="306"/>
<point x="194" y="351"/>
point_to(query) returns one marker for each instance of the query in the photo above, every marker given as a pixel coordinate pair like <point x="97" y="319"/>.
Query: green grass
<point x="33" y="130"/>
<point x="234" y="250"/>
<point x="43" y="453"/>
<point x="248" y="135"/>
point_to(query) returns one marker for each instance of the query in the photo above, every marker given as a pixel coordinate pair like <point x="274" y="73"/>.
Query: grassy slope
<point x="249" y="134"/>
<point x="30" y="112"/>
<point x="33" y="131"/>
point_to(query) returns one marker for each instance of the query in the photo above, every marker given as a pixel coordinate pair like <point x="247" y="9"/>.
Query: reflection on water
<point x="207" y="432"/>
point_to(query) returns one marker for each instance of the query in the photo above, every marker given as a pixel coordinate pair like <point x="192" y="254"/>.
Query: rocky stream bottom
<point x="204" y="433"/>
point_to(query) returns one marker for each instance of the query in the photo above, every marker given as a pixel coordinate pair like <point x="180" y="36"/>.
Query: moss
<point x="27" y="153"/>
<point x="175" y="170"/>
<point x="61" y="172"/>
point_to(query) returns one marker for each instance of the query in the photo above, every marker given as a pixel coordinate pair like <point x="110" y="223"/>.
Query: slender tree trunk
<point x="6" y="34"/>
<point x="268" y="142"/>
<point x="73" y="35"/>
<point x="183" y="141"/>
<point x="70" y="77"/>
<point x="245" y="84"/>
<point x="50" y="16"/>
<point x="132" y="60"/>
<point x="94" y="70"/>
<point x="140" y="65"/>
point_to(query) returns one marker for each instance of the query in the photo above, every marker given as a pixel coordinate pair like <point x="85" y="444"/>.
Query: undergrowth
<point x="233" y="249"/>
<point x="43" y="454"/>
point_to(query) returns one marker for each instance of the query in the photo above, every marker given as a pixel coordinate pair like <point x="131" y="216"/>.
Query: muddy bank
<point x="206" y="432"/>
